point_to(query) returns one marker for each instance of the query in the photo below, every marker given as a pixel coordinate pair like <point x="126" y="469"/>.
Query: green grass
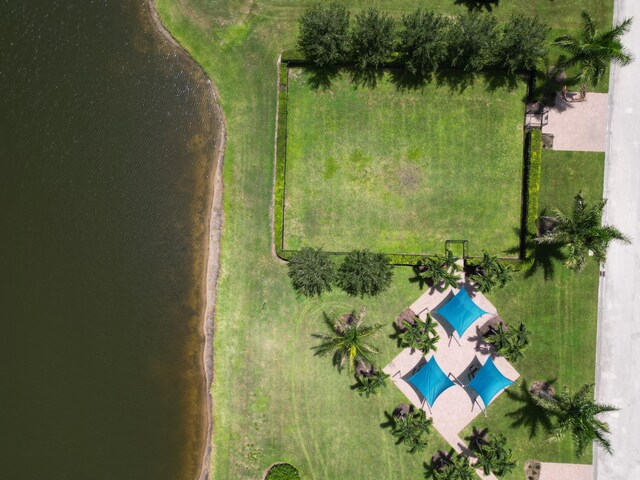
<point x="274" y="401"/>
<point x="402" y="171"/>
<point x="560" y="310"/>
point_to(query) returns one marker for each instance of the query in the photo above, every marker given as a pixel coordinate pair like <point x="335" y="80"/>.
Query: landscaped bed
<point x="402" y="171"/>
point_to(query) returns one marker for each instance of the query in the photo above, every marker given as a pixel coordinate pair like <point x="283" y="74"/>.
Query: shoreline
<point x="212" y="249"/>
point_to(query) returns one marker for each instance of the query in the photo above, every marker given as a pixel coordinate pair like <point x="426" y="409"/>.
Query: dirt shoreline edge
<point x="212" y="253"/>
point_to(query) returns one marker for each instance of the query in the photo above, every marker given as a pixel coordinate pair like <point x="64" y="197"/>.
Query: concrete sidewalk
<point x="618" y="349"/>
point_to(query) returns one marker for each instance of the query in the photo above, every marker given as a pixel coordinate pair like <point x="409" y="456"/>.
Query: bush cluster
<point x="361" y="272"/>
<point x="425" y="43"/>
<point x="283" y="471"/>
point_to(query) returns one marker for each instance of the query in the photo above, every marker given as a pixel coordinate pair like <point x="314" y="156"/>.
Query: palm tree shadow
<point x="437" y="462"/>
<point x="390" y="421"/>
<point x="546" y="256"/>
<point x="530" y="414"/>
<point x="419" y="277"/>
<point x="478" y="5"/>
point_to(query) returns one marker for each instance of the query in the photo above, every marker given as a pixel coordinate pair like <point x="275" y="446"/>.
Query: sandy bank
<point x="212" y="251"/>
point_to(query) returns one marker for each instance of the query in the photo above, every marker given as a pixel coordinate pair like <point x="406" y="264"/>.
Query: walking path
<point x="618" y="352"/>
<point x="579" y="125"/>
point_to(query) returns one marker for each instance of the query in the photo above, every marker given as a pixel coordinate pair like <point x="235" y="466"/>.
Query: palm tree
<point x="449" y="261"/>
<point x="438" y="269"/>
<point x="411" y="430"/>
<point x="499" y="338"/>
<point x="592" y="50"/>
<point x="494" y="457"/>
<point x="457" y="469"/>
<point x="491" y="272"/>
<point x="346" y="340"/>
<point x="577" y="414"/>
<point x="512" y="342"/>
<point x="583" y="233"/>
<point x="370" y="385"/>
<point x="420" y="335"/>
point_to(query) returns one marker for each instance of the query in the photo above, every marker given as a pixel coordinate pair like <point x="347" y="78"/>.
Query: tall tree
<point x="423" y="42"/>
<point x="324" y="33"/>
<point x="577" y="414"/>
<point x="311" y="272"/>
<point x="371" y="39"/>
<point x="522" y="44"/>
<point x="346" y="340"/>
<point x="583" y="233"/>
<point x="364" y="273"/>
<point x="472" y="41"/>
<point x="592" y="50"/>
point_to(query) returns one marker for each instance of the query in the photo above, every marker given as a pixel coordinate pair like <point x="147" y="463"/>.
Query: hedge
<point x="531" y="182"/>
<point x="282" y="471"/>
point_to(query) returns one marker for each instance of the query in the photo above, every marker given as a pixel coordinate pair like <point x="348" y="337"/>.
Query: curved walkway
<point x="618" y="350"/>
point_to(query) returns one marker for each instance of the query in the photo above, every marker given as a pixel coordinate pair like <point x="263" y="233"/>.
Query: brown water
<point x="106" y="152"/>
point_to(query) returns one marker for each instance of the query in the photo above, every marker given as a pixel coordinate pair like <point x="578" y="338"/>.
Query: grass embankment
<point x="274" y="401"/>
<point x="402" y="171"/>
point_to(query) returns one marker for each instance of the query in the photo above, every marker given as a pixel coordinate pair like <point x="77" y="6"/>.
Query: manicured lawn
<point x="274" y="401"/>
<point x="560" y="310"/>
<point x="402" y="171"/>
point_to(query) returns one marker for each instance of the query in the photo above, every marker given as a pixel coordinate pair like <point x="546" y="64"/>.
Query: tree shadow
<point x="478" y="5"/>
<point x="403" y="80"/>
<point x="438" y="461"/>
<point x="321" y="78"/>
<point x="419" y="277"/>
<point x="477" y="439"/>
<point x="545" y="256"/>
<point x="530" y="414"/>
<point x="456" y="80"/>
<point x="366" y="78"/>
<point x="497" y="80"/>
<point x="390" y="421"/>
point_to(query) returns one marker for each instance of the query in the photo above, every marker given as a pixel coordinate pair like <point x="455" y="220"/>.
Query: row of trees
<point x="426" y="41"/>
<point x="313" y="272"/>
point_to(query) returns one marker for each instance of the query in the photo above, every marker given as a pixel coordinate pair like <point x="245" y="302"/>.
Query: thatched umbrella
<point x="407" y="315"/>
<point x="402" y="410"/>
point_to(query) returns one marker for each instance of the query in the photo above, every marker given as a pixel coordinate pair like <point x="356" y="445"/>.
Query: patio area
<point x="460" y="358"/>
<point x="579" y="125"/>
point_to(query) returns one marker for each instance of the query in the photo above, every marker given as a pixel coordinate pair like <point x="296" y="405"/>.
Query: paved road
<point x="618" y="354"/>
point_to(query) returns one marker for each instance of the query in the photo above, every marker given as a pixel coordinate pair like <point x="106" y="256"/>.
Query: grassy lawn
<point x="274" y="401"/>
<point x="560" y="310"/>
<point x="402" y="171"/>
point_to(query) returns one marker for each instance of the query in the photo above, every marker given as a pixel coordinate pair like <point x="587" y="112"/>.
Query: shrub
<point x="311" y="272"/>
<point x="522" y="44"/>
<point x="533" y="166"/>
<point x="423" y="43"/>
<point x="281" y="152"/>
<point x="364" y="273"/>
<point x="371" y="39"/>
<point x="324" y="32"/>
<point x="283" y="471"/>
